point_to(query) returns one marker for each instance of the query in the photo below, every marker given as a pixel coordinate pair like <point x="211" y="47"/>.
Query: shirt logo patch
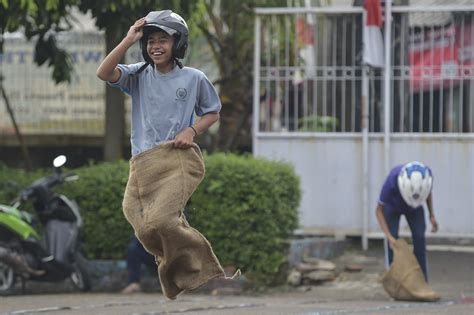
<point x="181" y="93"/>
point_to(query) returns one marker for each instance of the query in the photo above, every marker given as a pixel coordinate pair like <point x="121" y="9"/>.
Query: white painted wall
<point x="330" y="168"/>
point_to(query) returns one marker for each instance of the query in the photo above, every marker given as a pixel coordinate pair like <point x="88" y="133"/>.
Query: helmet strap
<point x="146" y="64"/>
<point x="140" y="70"/>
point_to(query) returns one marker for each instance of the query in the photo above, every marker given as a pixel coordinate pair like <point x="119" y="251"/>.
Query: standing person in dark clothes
<point x="136" y="257"/>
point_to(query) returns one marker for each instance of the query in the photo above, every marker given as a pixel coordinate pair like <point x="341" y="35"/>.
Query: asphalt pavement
<point x="451" y="275"/>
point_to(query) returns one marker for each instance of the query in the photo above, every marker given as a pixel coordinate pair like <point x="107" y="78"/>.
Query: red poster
<point x="441" y="57"/>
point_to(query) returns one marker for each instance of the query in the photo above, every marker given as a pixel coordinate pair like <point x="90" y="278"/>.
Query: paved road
<point x="452" y="275"/>
<point x="199" y="304"/>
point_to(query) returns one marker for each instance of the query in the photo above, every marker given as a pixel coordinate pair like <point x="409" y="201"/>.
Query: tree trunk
<point x="234" y="127"/>
<point x="24" y="148"/>
<point x="114" y="112"/>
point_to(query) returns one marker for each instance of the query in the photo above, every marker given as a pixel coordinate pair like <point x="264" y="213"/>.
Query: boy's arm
<point x="186" y="137"/>
<point x="108" y="70"/>
<point x="434" y="223"/>
<point x="205" y="122"/>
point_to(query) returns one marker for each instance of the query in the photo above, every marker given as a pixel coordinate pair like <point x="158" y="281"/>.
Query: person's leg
<point x="416" y="221"/>
<point x="392" y="217"/>
<point x="145" y="257"/>
<point x="134" y="260"/>
<point x="136" y="256"/>
<point x="132" y="210"/>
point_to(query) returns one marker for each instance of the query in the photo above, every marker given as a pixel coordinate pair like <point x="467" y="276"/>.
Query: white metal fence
<point x="311" y="71"/>
<point x="309" y="83"/>
<point x="432" y="83"/>
<point x="307" y="86"/>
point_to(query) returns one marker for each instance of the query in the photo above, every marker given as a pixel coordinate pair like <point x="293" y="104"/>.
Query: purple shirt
<point x="390" y="194"/>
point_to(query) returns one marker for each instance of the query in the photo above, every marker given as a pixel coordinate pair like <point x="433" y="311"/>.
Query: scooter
<point x="52" y="254"/>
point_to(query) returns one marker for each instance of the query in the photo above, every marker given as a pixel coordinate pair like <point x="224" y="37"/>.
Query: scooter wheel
<point x="80" y="276"/>
<point x="7" y="279"/>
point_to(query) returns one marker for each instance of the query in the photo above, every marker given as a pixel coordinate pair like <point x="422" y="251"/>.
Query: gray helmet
<point x="172" y="24"/>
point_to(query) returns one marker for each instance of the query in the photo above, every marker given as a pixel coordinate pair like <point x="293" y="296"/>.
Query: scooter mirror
<point x="59" y="161"/>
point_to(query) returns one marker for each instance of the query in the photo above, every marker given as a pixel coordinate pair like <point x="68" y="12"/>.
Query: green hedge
<point x="246" y="207"/>
<point x="99" y="192"/>
<point x="13" y="180"/>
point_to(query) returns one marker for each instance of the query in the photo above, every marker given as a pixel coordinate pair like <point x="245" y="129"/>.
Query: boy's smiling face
<point x="160" y="50"/>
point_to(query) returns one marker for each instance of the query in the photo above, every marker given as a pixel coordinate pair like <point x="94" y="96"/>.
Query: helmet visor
<point x="156" y="27"/>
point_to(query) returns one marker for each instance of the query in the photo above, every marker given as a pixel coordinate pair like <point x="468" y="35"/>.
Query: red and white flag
<point x="373" y="41"/>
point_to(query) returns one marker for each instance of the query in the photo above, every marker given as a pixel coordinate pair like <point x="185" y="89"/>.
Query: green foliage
<point x="318" y="123"/>
<point x="229" y="30"/>
<point x="40" y="20"/>
<point x="13" y="180"/>
<point x="99" y="192"/>
<point x="246" y="207"/>
<point x="116" y="17"/>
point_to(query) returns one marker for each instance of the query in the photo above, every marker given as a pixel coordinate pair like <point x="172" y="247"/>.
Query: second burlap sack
<point x="404" y="280"/>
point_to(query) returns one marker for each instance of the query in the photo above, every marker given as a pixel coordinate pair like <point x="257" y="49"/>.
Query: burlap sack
<point x="160" y="183"/>
<point x="404" y="280"/>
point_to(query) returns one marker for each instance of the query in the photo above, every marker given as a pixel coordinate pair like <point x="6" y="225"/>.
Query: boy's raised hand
<point x="136" y="30"/>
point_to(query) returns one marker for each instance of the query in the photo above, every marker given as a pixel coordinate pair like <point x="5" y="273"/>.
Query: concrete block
<point x="317" y="247"/>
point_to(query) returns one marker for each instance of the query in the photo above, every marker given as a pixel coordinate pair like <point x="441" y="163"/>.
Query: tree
<point x="40" y="20"/>
<point x="229" y="29"/>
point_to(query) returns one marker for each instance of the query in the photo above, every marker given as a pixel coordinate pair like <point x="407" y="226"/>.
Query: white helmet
<point x="415" y="182"/>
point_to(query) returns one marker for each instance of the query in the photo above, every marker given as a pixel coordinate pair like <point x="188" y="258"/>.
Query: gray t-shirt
<point x="164" y="104"/>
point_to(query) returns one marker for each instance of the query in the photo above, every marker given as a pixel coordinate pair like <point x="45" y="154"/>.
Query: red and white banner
<point x="373" y="41"/>
<point x="305" y="28"/>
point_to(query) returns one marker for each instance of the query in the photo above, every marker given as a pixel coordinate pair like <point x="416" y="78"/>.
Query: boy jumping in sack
<point x="166" y="165"/>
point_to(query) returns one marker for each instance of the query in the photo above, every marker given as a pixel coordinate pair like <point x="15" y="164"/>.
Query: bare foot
<point x="133" y="287"/>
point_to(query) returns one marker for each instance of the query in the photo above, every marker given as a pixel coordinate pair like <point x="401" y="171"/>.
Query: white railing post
<point x="387" y="77"/>
<point x="256" y="86"/>
<point x="365" y="146"/>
